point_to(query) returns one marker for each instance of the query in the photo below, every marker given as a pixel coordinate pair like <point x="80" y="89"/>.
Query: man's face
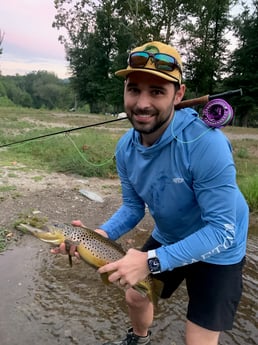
<point x="149" y="102"/>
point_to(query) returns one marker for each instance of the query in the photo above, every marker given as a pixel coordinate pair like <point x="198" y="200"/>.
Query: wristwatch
<point x="153" y="262"/>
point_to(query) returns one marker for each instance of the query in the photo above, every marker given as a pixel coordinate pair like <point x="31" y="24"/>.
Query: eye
<point x="133" y="90"/>
<point x="157" y="92"/>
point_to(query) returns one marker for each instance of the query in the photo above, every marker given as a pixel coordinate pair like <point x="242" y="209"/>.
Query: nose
<point x="143" y="101"/>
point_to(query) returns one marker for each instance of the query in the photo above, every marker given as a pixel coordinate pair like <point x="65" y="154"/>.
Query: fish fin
<point x="70" y="260"/>
<point x="104" y="278"/>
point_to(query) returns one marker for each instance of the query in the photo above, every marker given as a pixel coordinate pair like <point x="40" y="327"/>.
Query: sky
<point x="30" y="43"/>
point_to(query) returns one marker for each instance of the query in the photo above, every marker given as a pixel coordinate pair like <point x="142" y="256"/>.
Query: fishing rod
<point x="205" y="99"/>
<point x="60" y="132"/>
<point x="218" y="114"/>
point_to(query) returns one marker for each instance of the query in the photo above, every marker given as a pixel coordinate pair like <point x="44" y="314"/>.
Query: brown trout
<point x="94" y="249"/>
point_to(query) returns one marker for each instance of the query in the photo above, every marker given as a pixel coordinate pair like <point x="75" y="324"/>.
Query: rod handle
<point x="205" y="99"/>
<point x="192" y="102"/>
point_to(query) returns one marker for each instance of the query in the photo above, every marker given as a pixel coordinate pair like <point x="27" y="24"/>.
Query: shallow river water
<point x="44" y="301"/>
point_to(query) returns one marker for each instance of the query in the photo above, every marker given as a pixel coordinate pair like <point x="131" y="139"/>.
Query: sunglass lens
<point x="165" y="62"/>
<point x="138" y="59"/>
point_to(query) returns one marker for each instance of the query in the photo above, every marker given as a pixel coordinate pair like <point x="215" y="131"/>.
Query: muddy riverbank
<point x="44" y="301"/>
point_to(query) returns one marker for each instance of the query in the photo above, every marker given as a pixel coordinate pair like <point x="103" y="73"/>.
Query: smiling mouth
<point x="143" y="118"/>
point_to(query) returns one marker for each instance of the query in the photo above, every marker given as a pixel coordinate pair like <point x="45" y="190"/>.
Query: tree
<point x="1" y="41"/>
<point x="205" y="44"/>
<point x="243" y="64"/>
<point x="37" y="89"/>
<point x="101" y="33"/>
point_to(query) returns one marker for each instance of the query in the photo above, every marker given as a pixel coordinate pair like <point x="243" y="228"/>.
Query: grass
<point x="90" y="151"/>
<point x="3" y="239"/>
<point x="249" y="187"/>
<point x="246" y="159"/>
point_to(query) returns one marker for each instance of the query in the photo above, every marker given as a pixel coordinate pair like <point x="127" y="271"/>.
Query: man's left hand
<point x="129" y="270"/>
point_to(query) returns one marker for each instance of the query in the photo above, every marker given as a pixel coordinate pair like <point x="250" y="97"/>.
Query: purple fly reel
<point x="217" y="113"/>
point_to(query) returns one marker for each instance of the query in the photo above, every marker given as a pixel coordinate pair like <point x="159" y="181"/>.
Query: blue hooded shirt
<point x="187" y="179"/>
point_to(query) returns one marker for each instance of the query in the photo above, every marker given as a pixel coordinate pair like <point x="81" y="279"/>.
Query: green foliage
<point x="242" y="152"/>
<point x="1" y="42"/>
<point x="88" y="152"/>
<point x="3" y="239"/>
<point x="249" y="187"/>
<point x="243" y="64"/>
<point x="100" y="34"/>
<point x="38" y="90"/>
<point x="6" y="102"/>
<point x="98" y="45"/>
<point x="205" y="44"/>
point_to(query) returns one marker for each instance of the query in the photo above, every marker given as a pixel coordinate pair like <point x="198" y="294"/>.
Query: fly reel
<point x="217" y="113"/>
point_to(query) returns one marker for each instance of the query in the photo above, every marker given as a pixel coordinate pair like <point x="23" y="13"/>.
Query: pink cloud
<point x="27" y="25"/>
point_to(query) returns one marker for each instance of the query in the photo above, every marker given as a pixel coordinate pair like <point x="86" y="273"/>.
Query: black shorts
<point x="214" y="291"/>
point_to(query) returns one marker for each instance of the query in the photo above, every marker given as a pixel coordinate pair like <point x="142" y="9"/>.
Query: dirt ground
<point x="32" y="310"/>
<point x="57" y="197"/>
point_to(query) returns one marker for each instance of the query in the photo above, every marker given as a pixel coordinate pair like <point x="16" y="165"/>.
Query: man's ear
<point x="179" y="94"/>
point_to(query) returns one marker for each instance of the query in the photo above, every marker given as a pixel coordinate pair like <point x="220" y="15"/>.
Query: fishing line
<point x="68" y="136"/>
<point x="110" y="160"/>
<point x="189" y="141"/>
<point x="61" y="132"/>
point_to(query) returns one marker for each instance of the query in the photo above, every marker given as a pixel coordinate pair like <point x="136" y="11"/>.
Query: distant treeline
<point x="36" y="90"/>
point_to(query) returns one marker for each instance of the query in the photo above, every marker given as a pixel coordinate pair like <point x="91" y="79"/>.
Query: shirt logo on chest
<point x="178" y="180"/>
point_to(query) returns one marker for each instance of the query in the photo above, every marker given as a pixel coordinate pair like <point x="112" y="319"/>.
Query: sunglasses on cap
<point x="162" y="62"/>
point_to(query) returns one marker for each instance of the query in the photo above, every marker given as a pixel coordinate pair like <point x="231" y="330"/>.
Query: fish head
<point x="54" y="235"/>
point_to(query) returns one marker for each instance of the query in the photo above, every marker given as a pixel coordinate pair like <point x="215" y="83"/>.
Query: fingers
<point x="62" y="250"/>
<point x="55" y="250"/>
<point x="59" y="250"/>
<point x="123" y="284"/>
<point x="78" y="223"/>
<point x="115" y="276"/>
<point x="102" y="232"/>
<point x="108" y="268"/>
<point x="81" y="225"/>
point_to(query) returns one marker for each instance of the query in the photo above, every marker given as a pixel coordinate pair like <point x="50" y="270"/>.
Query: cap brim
<point x="124" y="73"/>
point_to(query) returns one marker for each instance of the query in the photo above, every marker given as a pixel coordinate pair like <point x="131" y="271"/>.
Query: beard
<point x="145" y="129"/>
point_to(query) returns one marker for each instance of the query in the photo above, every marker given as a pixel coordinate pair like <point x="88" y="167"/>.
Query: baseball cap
<point x="156" y="58"/>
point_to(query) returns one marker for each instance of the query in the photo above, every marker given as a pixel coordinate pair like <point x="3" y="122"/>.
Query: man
<point x="184" y="172"/>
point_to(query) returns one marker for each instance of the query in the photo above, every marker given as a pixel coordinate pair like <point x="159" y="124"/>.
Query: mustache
<point x="138" y="111"/>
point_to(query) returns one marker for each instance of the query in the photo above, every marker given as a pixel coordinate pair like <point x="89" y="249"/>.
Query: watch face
<point x="154" y="265"/>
